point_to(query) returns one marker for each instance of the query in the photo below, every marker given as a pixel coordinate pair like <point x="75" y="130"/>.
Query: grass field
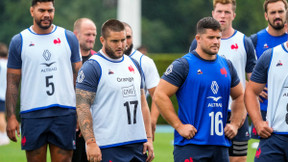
<point x="163" y="147"/>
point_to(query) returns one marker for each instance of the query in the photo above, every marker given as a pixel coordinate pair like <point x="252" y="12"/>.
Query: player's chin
<point x="119" y="53"/>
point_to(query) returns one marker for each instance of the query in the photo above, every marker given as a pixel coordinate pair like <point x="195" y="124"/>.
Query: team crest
<point x="80" y="77"/>
<point x="223" y="71"/>
<point x="57" y="41"/>
<point x="131" y="69"/>
<point x="234" y="46"/>
<point x="168" y="70"/>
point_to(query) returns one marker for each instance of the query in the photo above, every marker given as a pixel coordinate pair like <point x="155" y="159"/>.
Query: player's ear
<point x="266" y="16"/>
<point x="197" y="37"/>
<point x="32" y="11"/>
<point x="102" y="40"/>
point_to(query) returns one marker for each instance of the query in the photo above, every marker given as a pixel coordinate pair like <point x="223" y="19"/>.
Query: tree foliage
<point x="167" y="26"/>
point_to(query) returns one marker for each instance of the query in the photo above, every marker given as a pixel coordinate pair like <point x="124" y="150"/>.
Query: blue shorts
<point x="274" y="148"/>
<point x="254" y="134"/>
<point x="201" y="153"/>
<point x="58" y="130"/>
<point x="2" y="106"/>
<point x="125" y="153"/>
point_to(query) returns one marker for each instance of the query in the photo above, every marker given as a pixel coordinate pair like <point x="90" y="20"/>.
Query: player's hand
<point x="230" y="130"/>
<point x="153" y="125"/>
<point x="78" y="129"/>
<point x="12" y="126"/>
<point x="187" y="131"/>
<point x="148" y="146"/>
<point x="263" y="94"/>
<point x="263" y="129"/>
<point x="93" y="152"/>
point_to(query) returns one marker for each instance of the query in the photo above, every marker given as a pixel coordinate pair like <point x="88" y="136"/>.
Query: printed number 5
<point x="50" y="93"/>
<point x="127" y="105"/>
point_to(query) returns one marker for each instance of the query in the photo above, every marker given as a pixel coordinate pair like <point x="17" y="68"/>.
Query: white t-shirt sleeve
<point x="150" y="72"/>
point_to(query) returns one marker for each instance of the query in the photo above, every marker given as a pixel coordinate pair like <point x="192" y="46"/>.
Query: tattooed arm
<point x="84" y="99"/>
<point x="75" y="67"/>
<point x="12" y="93"/>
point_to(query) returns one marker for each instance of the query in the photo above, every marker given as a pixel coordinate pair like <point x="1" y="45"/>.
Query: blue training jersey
<point x="203" y="97"/>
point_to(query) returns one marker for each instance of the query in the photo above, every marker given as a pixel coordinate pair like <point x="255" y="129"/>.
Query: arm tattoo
<point x="12" y="93"/>
<point x="84" y="100"/>
<point x="75" y="68"/>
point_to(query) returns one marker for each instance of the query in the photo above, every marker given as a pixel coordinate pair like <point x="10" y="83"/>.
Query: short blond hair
<point x="233" y="2"/>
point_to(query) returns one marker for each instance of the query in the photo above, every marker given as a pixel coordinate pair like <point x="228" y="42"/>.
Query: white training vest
<point x="233" y="49"/>
<point x="3" y="78"/>
<point x="116" y="110"/>
<point x="277" y="110"/>
<point x="47" y="77"/>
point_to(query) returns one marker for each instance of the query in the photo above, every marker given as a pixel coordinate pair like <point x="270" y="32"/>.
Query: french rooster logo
<point x="223" y="71"/>
<point x="23" y="141"/>
<point x="131" y="69"/>
<point x="258" y="152"/>
<point x="57" y="41"/>
<point x="234" y="46"/>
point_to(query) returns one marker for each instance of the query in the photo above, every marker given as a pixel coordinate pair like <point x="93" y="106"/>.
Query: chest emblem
<point x="57" y="41"/>
<point x="279" y="63"/>
<point x="131" y="69"/>
<point x="223" y="71"/>
<point x="234" y="46"/>
<point x="199" y="72"/>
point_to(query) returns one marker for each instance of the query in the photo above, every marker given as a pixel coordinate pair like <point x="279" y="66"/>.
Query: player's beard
<point x="209" y="52"/>
<point x="111" y="53"/>
<point x="38" y="22"/>
<point x="128" y="50"/>
<point x="276" y="26"/>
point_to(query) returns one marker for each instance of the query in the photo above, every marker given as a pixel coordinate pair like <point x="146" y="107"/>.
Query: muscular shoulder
<point x="175" y="74"/>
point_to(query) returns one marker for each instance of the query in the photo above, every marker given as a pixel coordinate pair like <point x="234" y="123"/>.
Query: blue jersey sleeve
<point x="89" y="76"/>
<point x="177" y="72"/>
<point x="259" y="74"/>
<point x="251" y="55"/>
<point x="14" y="57"/>
<point x="234" y="76"/>
<point x="193" y="45"/>
<point x="74" y="46"/>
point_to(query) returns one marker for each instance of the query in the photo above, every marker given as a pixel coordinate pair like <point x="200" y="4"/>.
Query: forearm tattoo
<point x="84" y="100"/>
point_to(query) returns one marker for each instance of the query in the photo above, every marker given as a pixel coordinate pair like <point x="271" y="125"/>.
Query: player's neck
<point x="85" y="53"/>
<point x="205" y="55"/>
<point x="274" y="32"/>
<point x="228" y="32"/>
<point x="39" y="30"/>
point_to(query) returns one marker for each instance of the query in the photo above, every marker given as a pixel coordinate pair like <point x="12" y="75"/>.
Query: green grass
<point x="13" y="153"/>
<point x="163" y="147"/>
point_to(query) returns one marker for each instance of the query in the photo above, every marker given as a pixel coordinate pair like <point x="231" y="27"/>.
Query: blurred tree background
<point x="167" y="26"/>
